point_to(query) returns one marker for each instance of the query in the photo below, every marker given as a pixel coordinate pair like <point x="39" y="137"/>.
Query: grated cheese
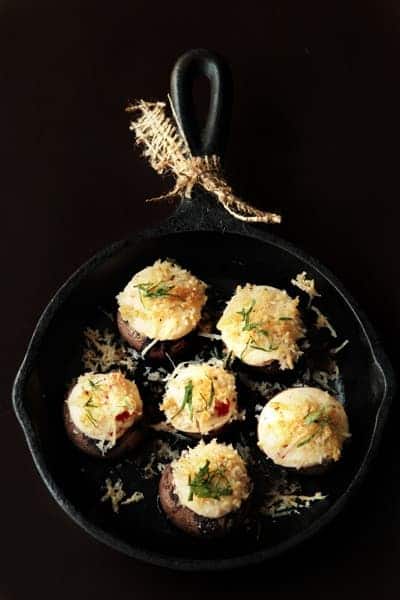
<point x="134" y="498"/>
<point x="339" y="348"/>
<point x="148" y="347"/>
<point x="265" y="388"/>
<point x="162" y="454"/>
<point x="322" y="322"/>
<point x="102" y="352"/>
<point x="117" y="495"/>
<point x="210" y="336"/>
<point x="282" y="505"/>
<point x="306" y="285"/>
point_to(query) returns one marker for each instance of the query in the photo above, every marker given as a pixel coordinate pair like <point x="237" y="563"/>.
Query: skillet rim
<point x="175" y="224"/>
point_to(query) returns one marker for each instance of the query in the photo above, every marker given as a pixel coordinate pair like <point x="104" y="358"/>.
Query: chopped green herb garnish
<point x="155" y="290"/>
<point x="91" y="418"/>
<point x="257" y="328"/>
<point x="256" y="347"/>
<point x="209" y="484"/>
<point x="308" y="439"/>
<point x="245" y="348"/>
<point x="270" y="348"/>
<point x="313" y="417"/>
<point x="286" y="318"/>
<point x="228" y="360"/>
<point x="91" y="402"/>
<point x="245" y="314"/>
<point x="320" y="418"/>
<point x="94" y="385"/>
<point x="187" y="400"/>
<point x="212" y="393"/>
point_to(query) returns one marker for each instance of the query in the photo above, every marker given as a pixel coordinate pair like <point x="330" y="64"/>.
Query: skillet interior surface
<point x="223" y="260"/>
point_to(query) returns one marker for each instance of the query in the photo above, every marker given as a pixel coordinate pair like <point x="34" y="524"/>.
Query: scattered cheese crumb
<point x="283" y="505"/>
<point x="116" y="494"/>
<point x="134" y="498"/>
<point x="245" y="452"/>
<point x="104" y="446"/>
<point x="264" y="388"/>
<point x="339" y="348"/>
<point x="149" y="347"/>
<point x="163" y="452"/>
<point x="322" y="322"/>
<point x="210" y="336"/>
<point x="102" y="352"/>
<point x="306" y="285"/>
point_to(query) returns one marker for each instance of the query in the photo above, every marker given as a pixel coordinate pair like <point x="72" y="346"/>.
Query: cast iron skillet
<point x="223" y="251"/>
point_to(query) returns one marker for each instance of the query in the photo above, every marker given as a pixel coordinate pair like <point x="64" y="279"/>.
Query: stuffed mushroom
<point x="303" y="428"/>
<point x="102" y="414"/>
<point x="206" y="491"/>
<point x="200" y="398"/>
<point x="158" y="309"/>
<point x="261" y="326"/>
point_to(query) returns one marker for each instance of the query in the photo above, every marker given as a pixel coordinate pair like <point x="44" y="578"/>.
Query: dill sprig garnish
<point x="245" y="313"/>
<point x="209" y="483"/>
<point x="91" y="402"/>
<point x="187" y="400"/>
<point x="318" y="417"/>
<point x="255" y="327"/>
<point x="251" y="344"/>
<point x="160" y="289"/>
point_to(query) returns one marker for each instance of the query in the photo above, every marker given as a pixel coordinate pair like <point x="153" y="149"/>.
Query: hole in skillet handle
<point x="212" y="138"/>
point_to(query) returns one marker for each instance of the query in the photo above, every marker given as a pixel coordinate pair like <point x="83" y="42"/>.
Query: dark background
<point x="315" y="134"/>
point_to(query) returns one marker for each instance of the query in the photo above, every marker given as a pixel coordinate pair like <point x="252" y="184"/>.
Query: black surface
<point x="316" y="128"/>
<point x="225" y="253"/>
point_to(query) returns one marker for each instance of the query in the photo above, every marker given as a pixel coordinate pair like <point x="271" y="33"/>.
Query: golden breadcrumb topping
<point x="261" y="324"/>
<point x="211" y="479"/>
<point x="163" y="301"/>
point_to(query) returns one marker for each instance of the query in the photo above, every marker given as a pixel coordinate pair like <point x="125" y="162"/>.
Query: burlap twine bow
<point x="168" y="152"/>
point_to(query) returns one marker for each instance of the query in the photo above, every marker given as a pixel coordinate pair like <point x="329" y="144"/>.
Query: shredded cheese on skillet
<point x="116" y="494"/>
<point x="322" y="321"/>
<point x="102" y="352"/>
<point x="306" y="285"/>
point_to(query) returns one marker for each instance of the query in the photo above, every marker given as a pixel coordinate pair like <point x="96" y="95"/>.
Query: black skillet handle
<point x="213" y="137"/>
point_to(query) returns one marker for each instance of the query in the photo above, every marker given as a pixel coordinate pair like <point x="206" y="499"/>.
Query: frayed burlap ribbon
<point x="168" y="152"/>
